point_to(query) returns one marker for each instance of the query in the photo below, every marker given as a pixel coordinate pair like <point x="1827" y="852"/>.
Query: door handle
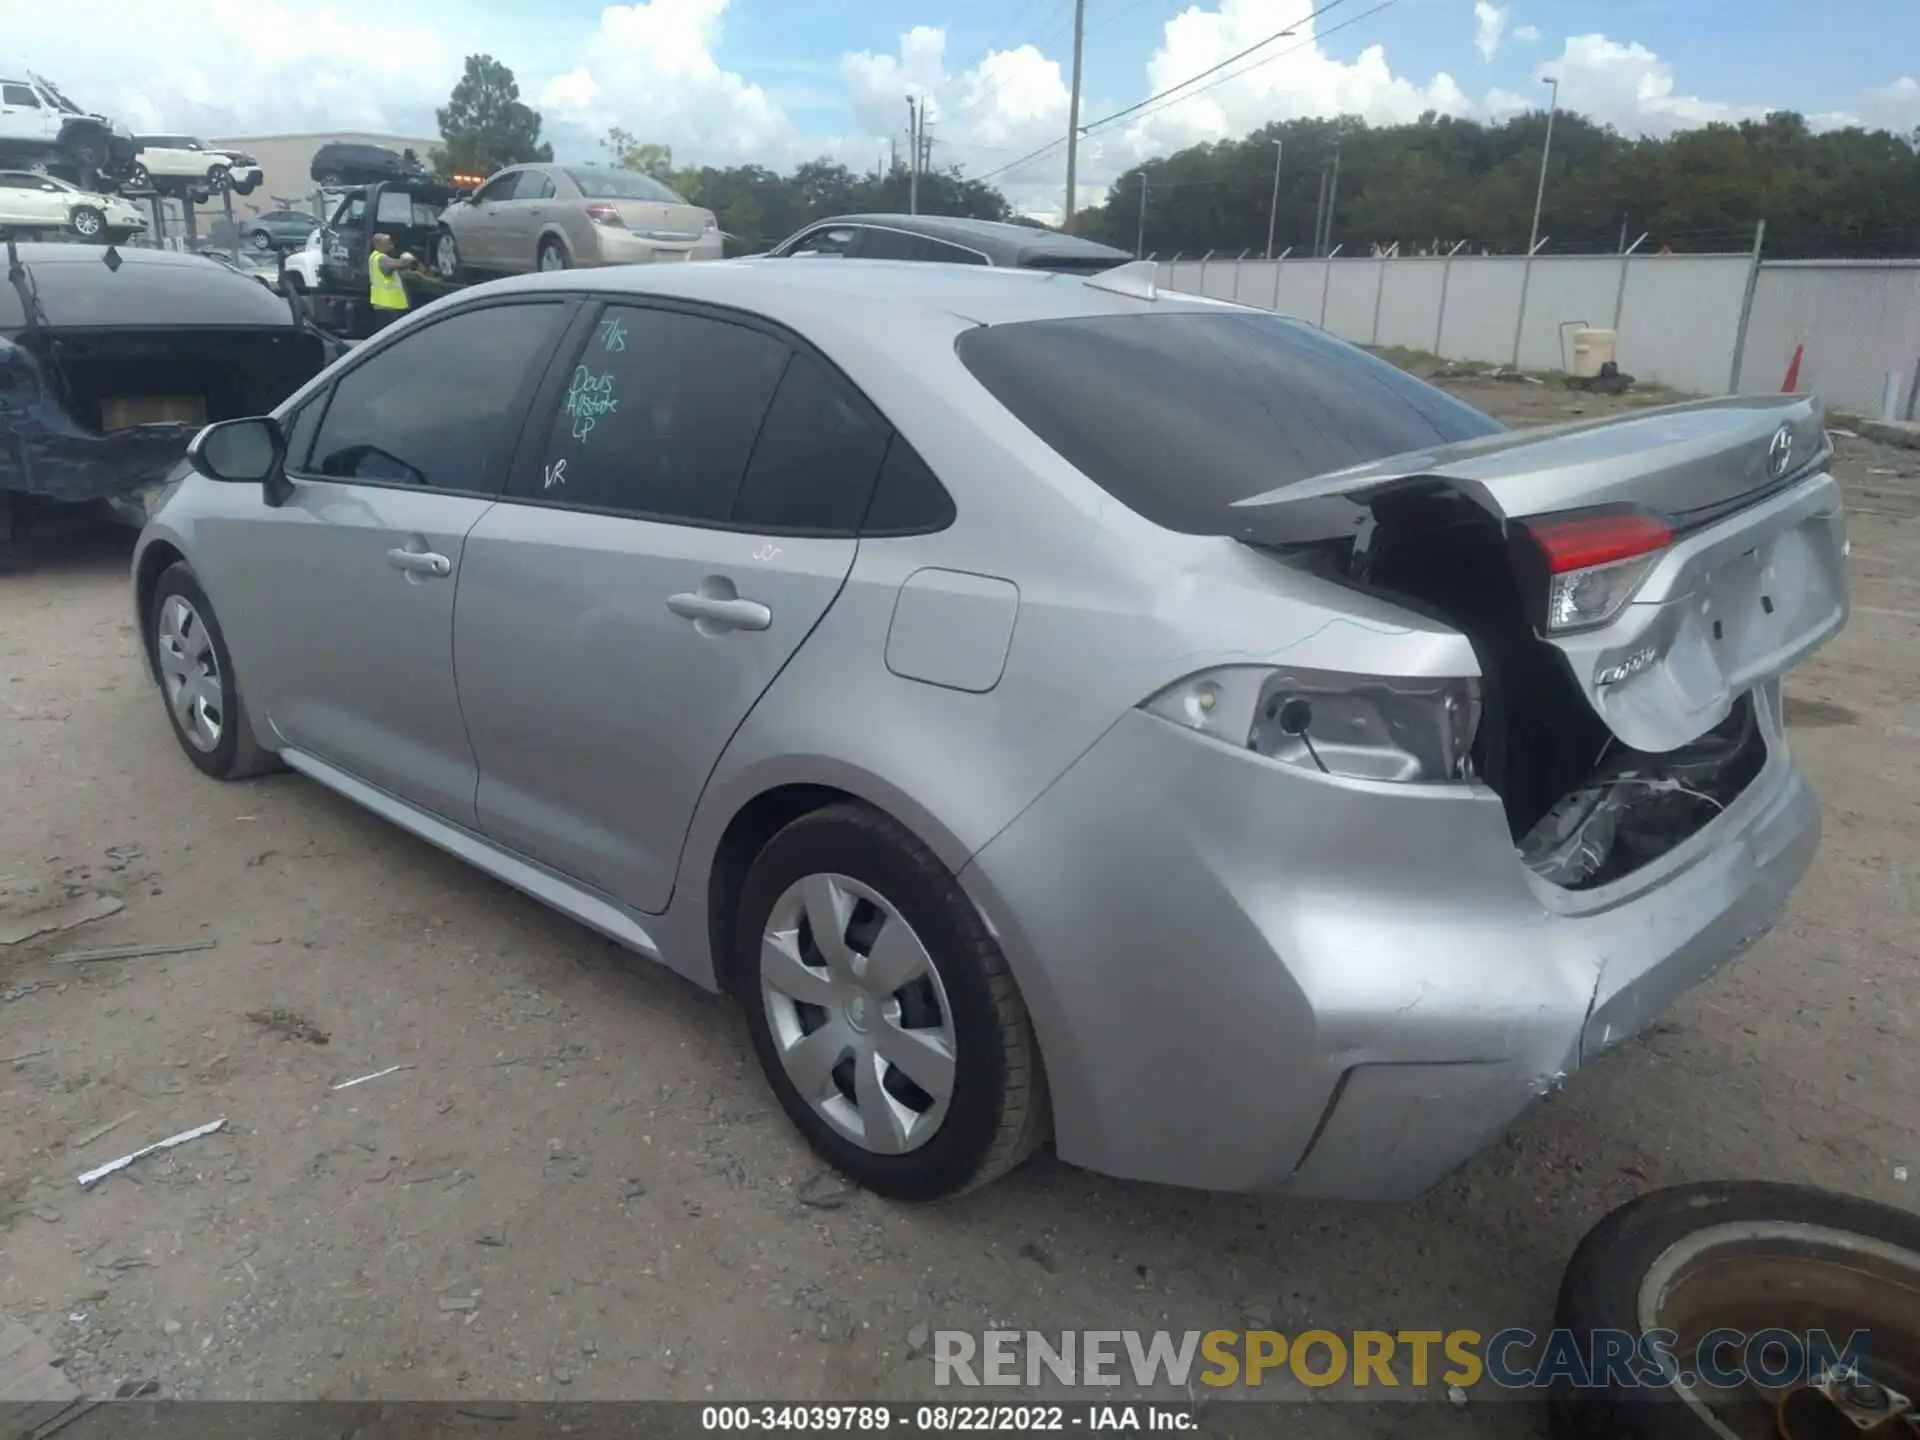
<point x="419" y="562"/>
<point x="720" y="612"/>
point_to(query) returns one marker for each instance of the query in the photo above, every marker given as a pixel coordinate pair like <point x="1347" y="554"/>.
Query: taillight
<point x="1595" y="563"/>
<point x="601" y="213"/>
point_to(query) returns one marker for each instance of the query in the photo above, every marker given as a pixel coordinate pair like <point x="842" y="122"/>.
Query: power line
<point x="1171" y="90"/>
<point x="1247" y="70"/>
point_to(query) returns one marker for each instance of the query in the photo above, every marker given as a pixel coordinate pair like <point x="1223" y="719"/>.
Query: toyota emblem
<point x="1779" y="453"/>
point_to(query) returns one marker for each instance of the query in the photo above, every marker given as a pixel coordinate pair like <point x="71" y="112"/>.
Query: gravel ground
<point x="578" y="1187"/>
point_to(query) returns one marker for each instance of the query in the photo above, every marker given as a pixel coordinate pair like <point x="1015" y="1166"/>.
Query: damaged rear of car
<point x="111" y="361"/>
<point x="1438" y="879"/>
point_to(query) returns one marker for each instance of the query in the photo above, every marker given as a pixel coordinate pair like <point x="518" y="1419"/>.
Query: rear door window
<point x="658" y="417"/>
<point x="1179" y="414"/>
<point x="19" y="95"/>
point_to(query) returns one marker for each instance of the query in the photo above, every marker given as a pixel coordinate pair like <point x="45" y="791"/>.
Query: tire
<point x="328" y="179"/>
<point x="552" y="255"/>
<point x="88" y="147"/>
<point x="1600" y="1291"/>
<point x="996" y="1112"/>
<point x="139" y="179"/>
<point x="88" y="222"/>
<point x="260" y="240"/>
<point x="219" y="177"/>
<point x="234" y="753"/>
<point x="246" y="187"/>
<point x="446" y="256"/>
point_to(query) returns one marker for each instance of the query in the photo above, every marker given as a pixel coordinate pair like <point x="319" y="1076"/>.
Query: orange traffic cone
<point x="1792" y="382"/>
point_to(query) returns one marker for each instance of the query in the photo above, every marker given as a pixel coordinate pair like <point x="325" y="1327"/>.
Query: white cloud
<point x="238" y="66"/>
<point x="1011" y="102"/>
<point x="1631" y="88"/>
<point x="1490" y="25"/>
<point x="1527" y="34"/>
<point x="650" y="69"/>
<point x="1299" y="80"/>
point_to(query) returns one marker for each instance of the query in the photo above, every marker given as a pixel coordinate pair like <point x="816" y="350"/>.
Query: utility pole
<point x="1320" y="213"/>
<point x="1073" y="110"/>
<point x="1333" y="193"/>
<point x="1273" y="211"/>
<point x="1140" y="244"/>
<point x="913" y="157"/>
<point x="1546" y="149"/>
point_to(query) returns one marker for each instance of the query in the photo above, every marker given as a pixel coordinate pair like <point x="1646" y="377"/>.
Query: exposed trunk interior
<point x="1584" y="810"/>
<point x="111" y="380"/>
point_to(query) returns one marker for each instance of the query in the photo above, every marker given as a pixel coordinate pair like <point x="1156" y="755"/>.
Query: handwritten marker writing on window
<point x="589" y="396"/>
<point x="554" y="474"/>
<point x="613" y="335"/>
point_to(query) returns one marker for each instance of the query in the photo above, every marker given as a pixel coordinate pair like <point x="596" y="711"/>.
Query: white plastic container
<point x="1592" y="349"/>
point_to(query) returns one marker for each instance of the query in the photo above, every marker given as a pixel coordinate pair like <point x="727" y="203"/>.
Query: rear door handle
<point x="419" y="562"/>
<point x="720" y="612"/>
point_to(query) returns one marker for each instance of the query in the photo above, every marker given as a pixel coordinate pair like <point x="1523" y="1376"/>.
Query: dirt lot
<point x="579" y="1186"/>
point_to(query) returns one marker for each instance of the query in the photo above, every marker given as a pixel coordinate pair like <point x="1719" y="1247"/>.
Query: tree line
<point x="1440" y="181"/>
<point x="1426" y="186"/>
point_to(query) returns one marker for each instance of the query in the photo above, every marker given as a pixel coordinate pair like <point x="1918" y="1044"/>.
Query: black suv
<point x="344" y="163"/>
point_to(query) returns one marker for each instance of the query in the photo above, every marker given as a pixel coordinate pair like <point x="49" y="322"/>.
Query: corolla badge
<point x="1779" y="453"/>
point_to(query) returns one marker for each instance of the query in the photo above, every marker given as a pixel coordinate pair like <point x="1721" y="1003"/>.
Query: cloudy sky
<point x="778" y="81"/>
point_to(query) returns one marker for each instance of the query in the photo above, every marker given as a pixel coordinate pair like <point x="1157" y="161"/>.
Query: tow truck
<point x="407" y="209"/>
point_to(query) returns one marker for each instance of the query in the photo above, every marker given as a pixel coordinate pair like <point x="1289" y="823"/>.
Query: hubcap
<point x="190" y="674"/>
<point x="86" y="222"/>
<point x="449" y="257"/>
<point x="858" y="1013"/>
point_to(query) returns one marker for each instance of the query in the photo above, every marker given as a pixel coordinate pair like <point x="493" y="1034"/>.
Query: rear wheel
<point x="446" y="255"/>
<point x="882" y="1010"/>
<point x="261" y="240"/>
<point x="195" y="672"/>
<point x="553" y="256"/>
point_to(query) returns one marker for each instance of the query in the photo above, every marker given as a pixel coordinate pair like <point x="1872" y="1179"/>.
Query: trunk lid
<point x="667" y="226"/>
<point x="1750" y="580"/>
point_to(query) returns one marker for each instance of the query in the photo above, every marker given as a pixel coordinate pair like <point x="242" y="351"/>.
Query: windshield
<point x="1178" y="414"/>
<point x="622" y="185"/>
<point x="64" y="103"/>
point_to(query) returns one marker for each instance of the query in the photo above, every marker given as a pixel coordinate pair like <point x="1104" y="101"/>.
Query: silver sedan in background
<point x="558" y="217"/>
<point x="1048" y="705"/>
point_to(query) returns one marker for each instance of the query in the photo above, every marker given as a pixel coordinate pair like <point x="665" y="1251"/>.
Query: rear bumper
<point x="623" y="247"/>
<point x="1248" y="977"/>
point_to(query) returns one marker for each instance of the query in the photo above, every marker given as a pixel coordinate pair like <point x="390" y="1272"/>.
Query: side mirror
<point x="239" y="452"/>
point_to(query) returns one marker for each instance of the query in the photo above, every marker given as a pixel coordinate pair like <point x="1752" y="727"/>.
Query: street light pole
<point x="1140" y="244"/>
<point x="1533" y="236"/>
<point x="1073" y="110"/>
<point x="1546" y="149"/>
<point x="913" y="162"/>
<point x="1273" y="210"/>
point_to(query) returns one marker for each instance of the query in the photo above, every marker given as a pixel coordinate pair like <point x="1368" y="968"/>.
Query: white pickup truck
<point x="38" y="123"/>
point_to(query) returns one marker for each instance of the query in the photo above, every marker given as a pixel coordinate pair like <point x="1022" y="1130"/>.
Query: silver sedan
<point x="1050" y="706"/>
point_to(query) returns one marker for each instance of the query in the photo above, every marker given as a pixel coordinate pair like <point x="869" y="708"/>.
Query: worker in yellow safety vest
<point x="385" y="285"/>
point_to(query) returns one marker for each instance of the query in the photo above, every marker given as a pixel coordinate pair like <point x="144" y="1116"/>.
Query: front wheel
<point x="261" y="240"/>
<point x="1761" y="1288"/>
<point x="88" y="148"/>
<point x="882" y="1010"/>
<point x="88" y="222"/>
<point x="195" y="673"/>
<point x="219" y="177"/>
<point x="139" y="179"/>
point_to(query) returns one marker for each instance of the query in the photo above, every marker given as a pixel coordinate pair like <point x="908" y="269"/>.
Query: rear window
<point x="1179" y="414"/>
<point x="622" y="185"/>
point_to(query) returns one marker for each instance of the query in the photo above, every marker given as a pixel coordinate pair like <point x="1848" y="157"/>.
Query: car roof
<point x="1000" y="241"/>
<point x="808" y="296"/>
<point x="151" y="288"/>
